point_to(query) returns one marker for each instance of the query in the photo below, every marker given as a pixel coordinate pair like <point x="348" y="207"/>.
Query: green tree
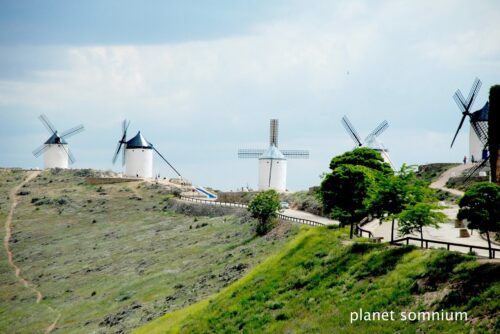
<point x="480" y="205"/>
<point x="344" y="193"/>
<point x="393" y="193"/>
<point x="264" y="206"/>
<point x="362" y="156"/>
<point x="415" y="217"/>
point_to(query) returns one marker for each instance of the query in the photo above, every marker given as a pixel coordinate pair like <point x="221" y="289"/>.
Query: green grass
<point x="318" y="279"/>
<point x="110" y="258"/>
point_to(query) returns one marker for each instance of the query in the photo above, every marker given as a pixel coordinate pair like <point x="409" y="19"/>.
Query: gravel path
<point x="446" y="231"/>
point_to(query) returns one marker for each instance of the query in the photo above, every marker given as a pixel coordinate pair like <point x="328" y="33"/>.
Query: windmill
<point x="56" y="153"/>
<point x="137" y="154"/>
<point x="478" y="133"/>
<point x="370" y="140"/>
<point x="272" y="161"/>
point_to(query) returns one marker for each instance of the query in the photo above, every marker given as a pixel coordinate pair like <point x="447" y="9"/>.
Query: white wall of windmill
<point x="475" y="145"/>
<point x="139" y="162"/>
<point x="55" y="156"/>
<point x="384" y="152"/>
<point x="277" y="171"/>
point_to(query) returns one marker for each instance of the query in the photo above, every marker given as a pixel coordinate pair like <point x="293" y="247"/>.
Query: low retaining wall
<point x="109" y="180"/>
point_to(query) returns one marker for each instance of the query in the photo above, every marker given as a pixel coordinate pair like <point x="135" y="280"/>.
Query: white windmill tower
<point x="137" y="154"/>
<point x="370" y="140"/>
<point x="56" y="153"/>
<point x="272" y="162"/>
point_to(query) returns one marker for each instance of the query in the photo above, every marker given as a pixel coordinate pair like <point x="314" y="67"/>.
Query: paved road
<point x="287" y="212"/>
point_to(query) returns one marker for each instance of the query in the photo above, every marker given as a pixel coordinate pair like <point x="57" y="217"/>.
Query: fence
<point x="239" y="205"/>
<point x="300" y="220"/>
<point x="448" y="244"/>
<point x="361" y="230"/>
<point x="207" y="201"/>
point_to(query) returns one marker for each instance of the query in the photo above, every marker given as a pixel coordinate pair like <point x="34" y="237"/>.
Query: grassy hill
<point x="112" y="257"/>
<point x="319" y="278"/>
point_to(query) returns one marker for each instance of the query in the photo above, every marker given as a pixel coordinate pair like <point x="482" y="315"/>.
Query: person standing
<point x="465" y="159"/>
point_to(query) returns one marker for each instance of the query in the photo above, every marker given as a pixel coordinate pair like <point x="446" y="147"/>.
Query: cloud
<point x="201" y="100"/>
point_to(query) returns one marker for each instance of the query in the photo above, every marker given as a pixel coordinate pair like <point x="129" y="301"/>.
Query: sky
<point x="202" y="79"/>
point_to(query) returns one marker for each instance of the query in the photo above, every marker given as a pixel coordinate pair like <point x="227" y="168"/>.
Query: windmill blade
<point x="270" y="174"/>
<point x="71" y="157"/>
<point x="474" y="170"/>
<point x="473" y="92"/>
<point x="168" y="163"/>
<point x="273" y="133"/>
<point x="72" y="131"/>
<point x="377" y="131"/>
<point x="296" y="154"/>
<point x="38" y="151"/>
<point x="250" y="153"/>
<point x="459" y="127"/>
<point x="118" y="148"/>
<point x="45" y="121"/>
<point x="351" y="131"/>
<point x="122" y="142"/>
<point x="460" y="101"/>
<point x="480" y="131"/>
<point x="125" y="126"/>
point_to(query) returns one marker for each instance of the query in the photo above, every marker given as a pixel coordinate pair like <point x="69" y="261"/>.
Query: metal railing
<point x="361" y="230"/>
<point x="207" y="201"/>
<point x="426" y="242"/>
<point x="239" y="205"/>
<point x="300" y="220"/>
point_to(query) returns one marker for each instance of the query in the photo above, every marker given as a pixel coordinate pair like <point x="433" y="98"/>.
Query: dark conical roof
<point x="55" y="139"/>
<point x="481" y="115"/>
<point x="138" y="142"/>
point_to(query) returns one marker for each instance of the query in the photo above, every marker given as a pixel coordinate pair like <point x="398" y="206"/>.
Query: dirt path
<point x="443" y="178"/>
<point x="8" y="234"/>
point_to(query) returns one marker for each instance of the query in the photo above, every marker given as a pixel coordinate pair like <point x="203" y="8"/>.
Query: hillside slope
<point x="109" y="258"/>
<point x="319" y="278"/>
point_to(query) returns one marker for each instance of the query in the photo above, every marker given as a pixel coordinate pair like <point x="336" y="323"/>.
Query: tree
<point x="362" y="156"/>
<point x="415" y="217"/>
<point x="264" y="206"/>
<point x="393" y="193"/>
<point x="344" y="193"/>
<point x="480" y="205"/>
<point x="493" y="132"/>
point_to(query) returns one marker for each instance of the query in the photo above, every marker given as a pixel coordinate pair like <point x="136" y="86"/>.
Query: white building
<point x="476" y="144"/>
<point x="138" y="157"/>
<point x="55" y="154"/>
<point x="272" y="170"/>
<point x="272" y="163"/>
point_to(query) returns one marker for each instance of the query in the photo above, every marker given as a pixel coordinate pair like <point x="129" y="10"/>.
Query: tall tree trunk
<point x="421" y="237"/>
<point x="490" y="252"/>
<point x="392" y="230"/>
<point x="352" y="227"/>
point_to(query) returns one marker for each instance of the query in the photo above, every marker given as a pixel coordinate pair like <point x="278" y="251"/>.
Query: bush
<point x="264" y="206"/>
